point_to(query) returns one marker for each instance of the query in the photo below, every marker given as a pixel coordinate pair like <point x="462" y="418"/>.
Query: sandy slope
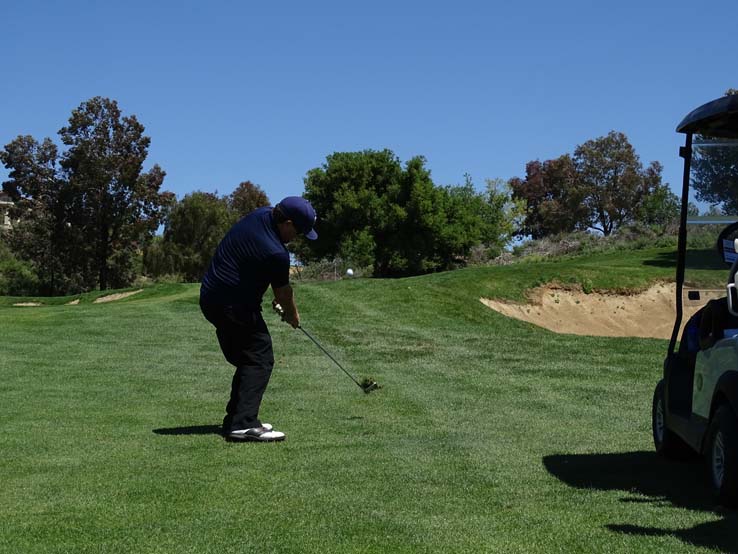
<point x="647" y="314"/>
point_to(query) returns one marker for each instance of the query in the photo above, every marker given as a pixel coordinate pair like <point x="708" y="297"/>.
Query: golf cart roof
<point x="718" y="118"/>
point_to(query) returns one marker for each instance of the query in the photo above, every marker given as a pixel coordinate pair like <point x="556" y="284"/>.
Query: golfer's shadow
<point x="192" y="430"/>
<point x="681" y="484"/>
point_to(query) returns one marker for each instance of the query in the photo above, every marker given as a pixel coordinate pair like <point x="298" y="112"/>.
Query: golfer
<point x="251" y="257"/>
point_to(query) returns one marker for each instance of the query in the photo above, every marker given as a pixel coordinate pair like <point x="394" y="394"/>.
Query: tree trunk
<point x="103" y="275"/>
<point x="102" y="258"/>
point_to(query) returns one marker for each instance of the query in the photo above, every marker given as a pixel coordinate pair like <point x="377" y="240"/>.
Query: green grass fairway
<point x="490" y="435"/>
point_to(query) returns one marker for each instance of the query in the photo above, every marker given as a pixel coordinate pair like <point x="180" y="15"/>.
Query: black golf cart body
<point x="701" y="367"/>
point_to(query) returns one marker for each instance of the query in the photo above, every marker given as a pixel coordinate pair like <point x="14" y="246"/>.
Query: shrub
<point x="17" y="278"/>
<point x="578" y="243"/>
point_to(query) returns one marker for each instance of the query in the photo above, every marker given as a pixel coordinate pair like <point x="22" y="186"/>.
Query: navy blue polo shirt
<point x="248" y="259"/>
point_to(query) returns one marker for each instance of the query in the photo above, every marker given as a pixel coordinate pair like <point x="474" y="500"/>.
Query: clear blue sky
<point x="264" y="91"/>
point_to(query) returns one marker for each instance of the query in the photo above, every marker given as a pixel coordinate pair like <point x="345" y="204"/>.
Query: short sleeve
<point x="279" y="270"/>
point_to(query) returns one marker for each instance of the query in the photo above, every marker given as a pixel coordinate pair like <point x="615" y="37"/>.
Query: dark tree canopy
<point x="246" y="198"/>
<point x="41" y="211"/>
<point x="373" y="211"/>
<point x="195" y="226"/>
<point x="603" y="186"/>
<point x="660" y="206"/>
<point x="90" y="210"/>
<point x="611" y="172"/>
<point x="118" y="205"/>
<point x="554" y="198"/>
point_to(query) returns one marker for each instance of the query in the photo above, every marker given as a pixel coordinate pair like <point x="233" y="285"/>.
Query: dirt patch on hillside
<point x="27" y="304"/>
<point x="650" y="313"/>
<point x="116" y="296"/>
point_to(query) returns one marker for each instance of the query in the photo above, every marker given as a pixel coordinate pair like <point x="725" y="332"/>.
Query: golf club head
<point x="369" y="386"/>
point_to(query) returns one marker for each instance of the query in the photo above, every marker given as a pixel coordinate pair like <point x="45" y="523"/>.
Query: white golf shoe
<point x="265" y="433"/>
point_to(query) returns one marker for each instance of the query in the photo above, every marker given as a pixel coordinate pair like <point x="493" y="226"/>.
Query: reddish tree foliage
<point x="246" y="198"/>
<point x="554" y="197"/>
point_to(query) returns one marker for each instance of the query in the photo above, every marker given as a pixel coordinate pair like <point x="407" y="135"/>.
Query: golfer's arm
<point x="286" y="298"/>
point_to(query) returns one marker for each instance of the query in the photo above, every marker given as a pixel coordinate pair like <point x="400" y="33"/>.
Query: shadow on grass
<point x="682" y="484"/>
<point x="706" y="258"/>
<point x="664" y="259"/>
<point x="193" y="430"/>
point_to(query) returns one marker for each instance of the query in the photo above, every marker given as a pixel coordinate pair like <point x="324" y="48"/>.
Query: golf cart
<point x="695" y="405"/>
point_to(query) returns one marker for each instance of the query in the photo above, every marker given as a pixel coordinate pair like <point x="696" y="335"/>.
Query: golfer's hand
<point x="293" y="318"/>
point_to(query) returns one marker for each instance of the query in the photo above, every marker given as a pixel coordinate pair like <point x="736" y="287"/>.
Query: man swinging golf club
<point x="251" y="257"/>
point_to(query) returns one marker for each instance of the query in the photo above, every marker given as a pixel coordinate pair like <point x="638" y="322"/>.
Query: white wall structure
<point x="5" y="204"/>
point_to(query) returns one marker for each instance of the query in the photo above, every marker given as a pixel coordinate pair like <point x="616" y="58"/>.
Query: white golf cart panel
<point x="711" y="364"/>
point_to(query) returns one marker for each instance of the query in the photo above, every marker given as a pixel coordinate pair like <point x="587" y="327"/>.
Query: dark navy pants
<point x="246" y="344"/>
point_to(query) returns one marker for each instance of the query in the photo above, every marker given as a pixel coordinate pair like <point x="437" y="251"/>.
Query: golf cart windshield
<point x="711" y="233"/>
<point x="709" y="206"/>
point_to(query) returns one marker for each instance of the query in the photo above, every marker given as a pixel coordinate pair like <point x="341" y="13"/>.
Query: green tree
<point x="83" y="217"/>
<point x="423" y="240"/>
<point x="371" y="208"/>
<point x="503" y="215"/>
<point x="246" y="198"/>
<point x="41" y="234"/>
<point x="195" y="226"/>
<point x="660" y="206"/>
<point x="614" y="180"/>
<point x="17" y="278"/>
<point x="117" y="205"/>
<point x="476" y="219"/>
<point x="356" y="198"/>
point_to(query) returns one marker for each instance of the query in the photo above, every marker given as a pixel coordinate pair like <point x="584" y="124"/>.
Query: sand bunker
<point x="116" y="296"/>
<point x="108" y="298"/>
<point x="647" y="314"/>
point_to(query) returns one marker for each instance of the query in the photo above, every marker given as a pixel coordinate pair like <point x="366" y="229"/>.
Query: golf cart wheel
<point x="666" y="442"/>
<point x="722" y="456"/>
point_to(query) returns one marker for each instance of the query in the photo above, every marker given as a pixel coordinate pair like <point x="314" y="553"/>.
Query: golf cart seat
<point x="721" y="314"/>
<point x="715" y="320"/>
<point x="710" y="323"/>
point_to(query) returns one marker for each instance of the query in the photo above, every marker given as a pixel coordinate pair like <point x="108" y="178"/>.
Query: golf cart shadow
<point x="702" y="258"/>
<point x="192" y="430"/>
<point x="663" y="482"/>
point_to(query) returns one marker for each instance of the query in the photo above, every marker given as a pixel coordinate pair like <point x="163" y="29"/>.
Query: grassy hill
<point x="490" y="435"/>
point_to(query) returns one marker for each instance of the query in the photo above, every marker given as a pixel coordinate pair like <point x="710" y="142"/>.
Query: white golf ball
<point x="350" y="272"/>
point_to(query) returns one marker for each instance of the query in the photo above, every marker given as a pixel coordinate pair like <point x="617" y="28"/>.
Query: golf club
<point x="367" y="385"/>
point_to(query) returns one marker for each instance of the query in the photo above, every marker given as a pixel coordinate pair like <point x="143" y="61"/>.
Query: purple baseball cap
<point x="301" y="213"/>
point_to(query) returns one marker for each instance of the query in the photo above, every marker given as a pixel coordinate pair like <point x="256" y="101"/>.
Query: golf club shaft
<point x="308" y="335"/>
